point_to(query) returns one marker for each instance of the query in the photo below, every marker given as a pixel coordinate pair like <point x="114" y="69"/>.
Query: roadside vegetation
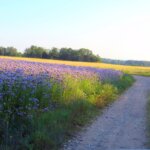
<point x="124" y="82"/>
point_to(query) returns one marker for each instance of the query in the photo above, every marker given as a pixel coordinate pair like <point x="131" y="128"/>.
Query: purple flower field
<point x="29" y="90"/>
<point x="26" y="77"/>
<point x="11" y="69"/>
<point x="22" y="81"/>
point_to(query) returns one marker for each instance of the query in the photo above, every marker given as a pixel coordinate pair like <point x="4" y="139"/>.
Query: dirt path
<point x="121" y="126"/>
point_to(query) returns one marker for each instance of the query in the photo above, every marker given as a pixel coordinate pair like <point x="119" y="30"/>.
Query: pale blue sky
<point x="117" y="29"/>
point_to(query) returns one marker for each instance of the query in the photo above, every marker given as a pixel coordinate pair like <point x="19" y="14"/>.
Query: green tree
<point x="9" y="51"/>
<point x="54" y="53"/>
<point x="2" y="51"/>
<point x="35" y="51"/>
<point x="65" y="53"/>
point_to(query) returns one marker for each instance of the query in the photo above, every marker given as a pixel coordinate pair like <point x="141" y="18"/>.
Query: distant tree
<point x="87" y="55"/>
<point x="82" y="54"/>
<point x="9" y="51"/>
<point x="45" y="55"/>
<point x="95" y="58"/>
<point x="2" y="51"/>
<point x="65" y="53"/>
<point x="19" y="54"/>
<point x="35" y="51"/>
<point x="74" y="55"/>
<point x="54" y="53"/>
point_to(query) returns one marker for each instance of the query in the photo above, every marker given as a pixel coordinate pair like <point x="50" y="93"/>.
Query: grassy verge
<point x="71" y="115"/>
<point x="73" y="103"/>
<point x="125" y="82"/>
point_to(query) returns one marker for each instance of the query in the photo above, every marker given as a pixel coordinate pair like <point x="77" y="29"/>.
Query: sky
<point x="118" y="29"/>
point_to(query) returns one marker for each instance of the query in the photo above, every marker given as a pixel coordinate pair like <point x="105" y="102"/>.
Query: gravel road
<point x="121" y="126"/>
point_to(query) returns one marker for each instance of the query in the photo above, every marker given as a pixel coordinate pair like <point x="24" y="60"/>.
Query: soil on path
<point x="121" y="126"/>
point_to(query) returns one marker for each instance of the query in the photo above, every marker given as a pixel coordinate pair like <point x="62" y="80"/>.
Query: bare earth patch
<point x="121" y="126"/>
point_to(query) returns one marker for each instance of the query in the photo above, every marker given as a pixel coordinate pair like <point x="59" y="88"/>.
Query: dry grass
<point x="138" y="70"/>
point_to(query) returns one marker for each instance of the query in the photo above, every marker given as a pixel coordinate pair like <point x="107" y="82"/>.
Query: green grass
<point x="125" y="82"/>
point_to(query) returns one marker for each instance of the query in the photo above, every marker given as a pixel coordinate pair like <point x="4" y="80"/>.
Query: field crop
<point x="40" y="103"/>
<point x="136" y="70"/>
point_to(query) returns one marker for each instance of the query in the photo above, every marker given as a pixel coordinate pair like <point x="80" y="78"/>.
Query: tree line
<point x="126" y="62"/>
<point x="53" y="53"/>
<point x="9" y="51"/>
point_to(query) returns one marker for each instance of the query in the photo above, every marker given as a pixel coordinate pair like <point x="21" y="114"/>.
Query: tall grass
<point x="125" y="81"/>
<point x="80" y="100"/>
